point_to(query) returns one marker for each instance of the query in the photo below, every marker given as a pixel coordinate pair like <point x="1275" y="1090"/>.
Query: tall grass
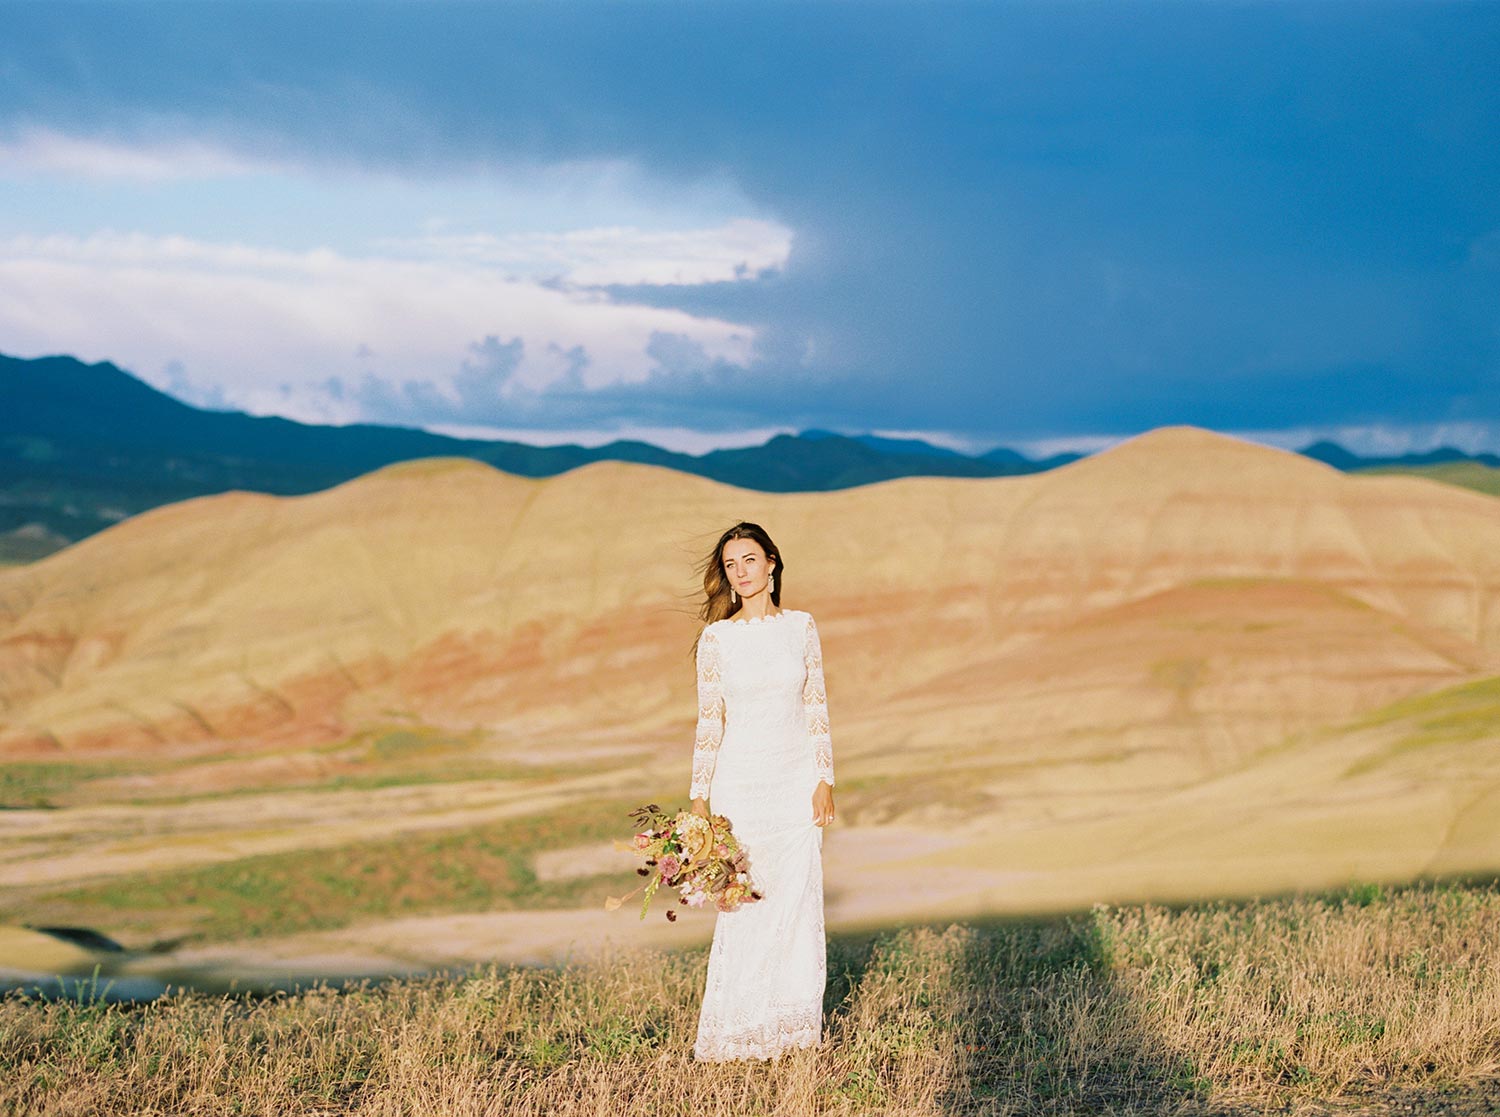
<point x="1219" y="1008"/>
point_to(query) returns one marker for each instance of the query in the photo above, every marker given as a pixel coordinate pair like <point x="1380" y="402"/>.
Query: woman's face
<point x="746" y="567"/>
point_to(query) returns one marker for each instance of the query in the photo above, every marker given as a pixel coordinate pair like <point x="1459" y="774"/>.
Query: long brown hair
<point x="716" y="604"/>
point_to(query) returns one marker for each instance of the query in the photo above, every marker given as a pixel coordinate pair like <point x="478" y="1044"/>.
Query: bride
<point x="763" y="755"/>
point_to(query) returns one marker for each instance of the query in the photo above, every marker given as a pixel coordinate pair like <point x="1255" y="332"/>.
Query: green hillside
<point x="1469" y="475"/>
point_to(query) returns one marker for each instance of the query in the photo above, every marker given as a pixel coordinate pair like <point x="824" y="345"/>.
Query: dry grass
<point x="1279" y="1005"/>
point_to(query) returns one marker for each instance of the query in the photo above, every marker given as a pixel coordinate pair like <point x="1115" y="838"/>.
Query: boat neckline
<point x="759" y="620"/>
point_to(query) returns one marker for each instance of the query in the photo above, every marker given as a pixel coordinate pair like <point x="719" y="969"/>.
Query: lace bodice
<point x="741" y="671"/>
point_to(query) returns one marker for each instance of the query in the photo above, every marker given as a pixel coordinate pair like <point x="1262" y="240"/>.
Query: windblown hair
<point x="716" y="604"/>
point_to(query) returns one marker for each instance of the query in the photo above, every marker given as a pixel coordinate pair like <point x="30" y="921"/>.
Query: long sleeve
<point x="710" y="731"/>
<point x="815" y="705"/>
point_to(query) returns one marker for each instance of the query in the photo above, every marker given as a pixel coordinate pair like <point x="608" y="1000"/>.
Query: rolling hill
<point x="1185" y="666"/>
<point x="242" y="617"/>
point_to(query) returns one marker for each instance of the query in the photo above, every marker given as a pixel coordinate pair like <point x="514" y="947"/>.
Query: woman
<point x="763" y="756"/>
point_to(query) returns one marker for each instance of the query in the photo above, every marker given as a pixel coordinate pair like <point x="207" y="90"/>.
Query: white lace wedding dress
<point x="762" y="745"/>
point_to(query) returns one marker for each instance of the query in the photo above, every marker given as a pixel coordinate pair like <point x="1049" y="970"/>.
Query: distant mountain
<point x="83" y="446"/>
<point x="1331" y="453"/>
<point x="914" y="446"/>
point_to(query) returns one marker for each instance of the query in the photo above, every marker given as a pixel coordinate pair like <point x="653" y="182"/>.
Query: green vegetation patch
<point x="872" y="800"/>
<point x="1464" y="714"/>
<point x="372" y="758"/>
<point x="29" y="785"/>
<point x="1467" y="475"/>
<point x="485" y="868"/>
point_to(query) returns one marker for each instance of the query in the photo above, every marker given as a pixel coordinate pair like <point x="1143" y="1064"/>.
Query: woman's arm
<point x="815" y="710"/>
<point x="710" y="729"/>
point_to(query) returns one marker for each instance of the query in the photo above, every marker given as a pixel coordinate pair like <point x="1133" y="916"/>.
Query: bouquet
<point x="700" y="857"/>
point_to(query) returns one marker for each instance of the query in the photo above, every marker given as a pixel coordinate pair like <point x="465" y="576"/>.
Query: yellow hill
<point x="1163" y="651"/>
<point x="466" y="596"/>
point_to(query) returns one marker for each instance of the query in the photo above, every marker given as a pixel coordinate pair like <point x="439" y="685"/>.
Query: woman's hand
<point x="822" y="804"/>
<point x="700" y="807"/>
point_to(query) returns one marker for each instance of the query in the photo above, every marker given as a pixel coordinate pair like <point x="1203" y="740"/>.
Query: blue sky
<point x="1038" y="225"/>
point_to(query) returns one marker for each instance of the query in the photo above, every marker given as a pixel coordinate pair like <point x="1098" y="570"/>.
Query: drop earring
<point x="732" y="597"/>
<point x="771" y="584"/>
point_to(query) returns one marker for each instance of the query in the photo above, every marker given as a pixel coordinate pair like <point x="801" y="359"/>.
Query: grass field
<point x="376" y="757"/>
<point x="485" y="868"/>
<point x="1365" y="1000"/>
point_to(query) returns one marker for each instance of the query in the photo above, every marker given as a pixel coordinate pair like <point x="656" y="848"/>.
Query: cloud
<point x="679" y="354"/>
<point x="485" y="391"/>
<point x="40" y="151"/>
<point x="740" y="249"/>
<point x="185" y="388"/>
<point x="1387" y="439"/>
<point x="686" y="440"/>
<point x="251" y="319"/>
<point x="1003" y="221"/>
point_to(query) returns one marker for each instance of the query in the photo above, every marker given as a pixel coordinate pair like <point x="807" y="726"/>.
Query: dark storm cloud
<point x="1051" y="219"/>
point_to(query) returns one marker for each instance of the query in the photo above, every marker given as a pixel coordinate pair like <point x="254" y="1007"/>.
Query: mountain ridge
<point x="86" y="445"/>
<point x="82" y="446"/>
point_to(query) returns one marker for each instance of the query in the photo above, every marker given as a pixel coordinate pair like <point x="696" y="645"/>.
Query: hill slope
<point x="462" y="590"/>
<point x="1170" y="651"/>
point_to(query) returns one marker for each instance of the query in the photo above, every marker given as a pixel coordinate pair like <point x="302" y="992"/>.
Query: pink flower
<point x="669" y="866"/>
<point x="642" y="841"/>
<point x="723" y="850"/>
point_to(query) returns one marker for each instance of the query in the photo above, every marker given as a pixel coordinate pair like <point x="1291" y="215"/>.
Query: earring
<point x="771" y="584"/>
<point x="732" y="598"/>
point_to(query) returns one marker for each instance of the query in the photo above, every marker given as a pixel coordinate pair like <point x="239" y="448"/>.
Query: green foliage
<point x="479" y="869"/>
<point x="29" y="785"/>
<point x="1360" y="895"/>
<point x="1457" y="713"/>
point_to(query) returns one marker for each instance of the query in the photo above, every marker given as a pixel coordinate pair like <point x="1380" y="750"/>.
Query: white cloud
<point x="947" y="440"/>
<point x="681" y="439"/>
<point x="42" y="151"/>
<point x="737" y="249"/>
<point x="1388" y="439"/>
<point x="268" y="328"/>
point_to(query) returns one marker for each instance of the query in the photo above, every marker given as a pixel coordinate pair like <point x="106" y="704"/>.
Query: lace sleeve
<point x="815" y="705"/>
<point x="710" y="729"/>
